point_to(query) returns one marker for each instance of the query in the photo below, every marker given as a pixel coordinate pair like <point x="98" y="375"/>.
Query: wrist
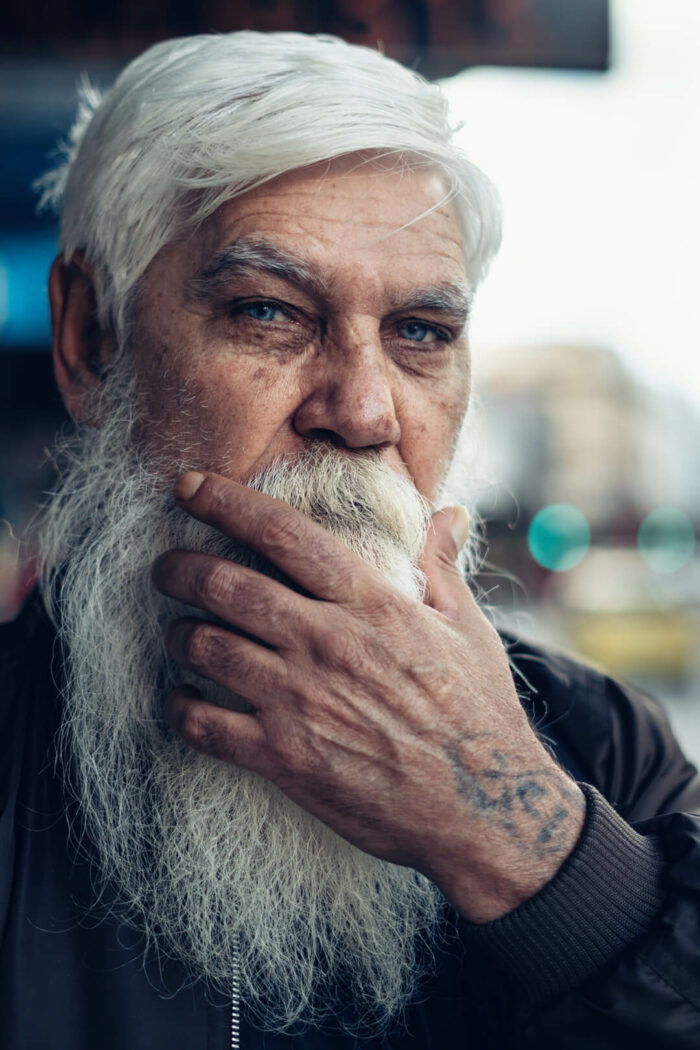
<point x="505" y="866"/>
<point x="603" y="898"/>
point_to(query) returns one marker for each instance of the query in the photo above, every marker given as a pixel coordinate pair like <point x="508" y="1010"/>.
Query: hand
<point x="393" y="721"/>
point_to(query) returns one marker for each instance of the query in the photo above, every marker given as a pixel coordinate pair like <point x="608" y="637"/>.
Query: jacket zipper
<point x="236" y="1002"/>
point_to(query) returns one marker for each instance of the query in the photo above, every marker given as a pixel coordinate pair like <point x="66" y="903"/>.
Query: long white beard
<point x="218" y="867"/>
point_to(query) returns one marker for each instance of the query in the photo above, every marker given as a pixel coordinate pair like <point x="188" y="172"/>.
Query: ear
<point x="81" y="350"/>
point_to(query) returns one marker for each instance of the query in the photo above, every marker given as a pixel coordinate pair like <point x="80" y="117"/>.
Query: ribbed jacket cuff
<point x="601" y="899"/>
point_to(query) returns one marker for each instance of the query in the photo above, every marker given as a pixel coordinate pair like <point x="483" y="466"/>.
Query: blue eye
<point x="417" y="332"/>
<point x="262" y="311"/>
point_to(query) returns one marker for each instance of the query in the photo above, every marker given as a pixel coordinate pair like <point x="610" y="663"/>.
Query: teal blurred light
<point x="25" y="259"/>
<point x="559" y="537"/>
<point x="666" y="539"/>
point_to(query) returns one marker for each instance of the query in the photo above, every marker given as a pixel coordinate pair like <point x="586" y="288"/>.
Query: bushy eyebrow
<point x="235" y="259"/>
<point x="211" y="283"/>
<point x="450" y="298"/>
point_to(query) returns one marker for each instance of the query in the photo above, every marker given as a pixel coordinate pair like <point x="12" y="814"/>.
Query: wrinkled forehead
<point x="363" y="199"/>
<point x="350" y="218"/>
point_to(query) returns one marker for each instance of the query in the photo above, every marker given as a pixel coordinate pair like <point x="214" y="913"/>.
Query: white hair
<point x="213" y="863"/>
<point x="193" y="122"/>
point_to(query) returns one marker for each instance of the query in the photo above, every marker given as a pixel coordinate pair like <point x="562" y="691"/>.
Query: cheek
<point x="432" y="425"/>
<point x="454" y="403"/>
<point x="220" y="417"/>
<point x="446" y="404"/>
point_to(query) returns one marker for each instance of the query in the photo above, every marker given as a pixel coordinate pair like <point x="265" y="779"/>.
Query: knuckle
<point x="198" y="646"/>
<point x="343" y="648"/>
<point x="447" y="562"/>
<point x="346" y="583"/>
<point x="215" y="583"/>
<point x="280" y="531"/>
<point x="201" y="731"/>
<point x="388" y="604"/>
<point x="213" y="496"/>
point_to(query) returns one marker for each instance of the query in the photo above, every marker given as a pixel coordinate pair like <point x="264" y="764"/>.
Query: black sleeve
<point x="607" y="955"/>
<point x="25" y="731"/>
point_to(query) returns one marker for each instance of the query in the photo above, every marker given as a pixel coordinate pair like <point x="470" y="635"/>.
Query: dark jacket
<point x="607" y="955"/>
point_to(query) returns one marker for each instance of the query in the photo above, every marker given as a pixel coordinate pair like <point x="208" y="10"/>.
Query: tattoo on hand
<point x="530" y="804"/>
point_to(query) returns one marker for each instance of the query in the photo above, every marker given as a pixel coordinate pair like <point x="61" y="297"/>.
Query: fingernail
<point x="187" y="484"/>
<point x="459" y="526"/>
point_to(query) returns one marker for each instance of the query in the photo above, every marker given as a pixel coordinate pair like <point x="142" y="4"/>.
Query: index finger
<point x="304" y="550"/>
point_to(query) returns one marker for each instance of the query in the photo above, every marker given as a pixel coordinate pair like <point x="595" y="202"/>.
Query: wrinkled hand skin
<point x="395" y="722"/>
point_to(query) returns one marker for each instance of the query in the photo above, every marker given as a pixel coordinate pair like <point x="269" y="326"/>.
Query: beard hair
<point x="214" y="863"/>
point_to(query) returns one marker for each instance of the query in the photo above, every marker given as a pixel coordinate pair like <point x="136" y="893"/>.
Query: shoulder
<point x="607" y="732"/>
<point x="26" y="681"/>
<point x="26" y="645"/>
<point x="559" y="690"/>
<point x="28" y="711"/>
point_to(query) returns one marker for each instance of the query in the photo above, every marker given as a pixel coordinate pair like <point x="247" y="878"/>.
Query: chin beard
<point x="219" y="868"/>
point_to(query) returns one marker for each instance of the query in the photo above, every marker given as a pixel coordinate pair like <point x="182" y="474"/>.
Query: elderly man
<point x="267" y="779"/>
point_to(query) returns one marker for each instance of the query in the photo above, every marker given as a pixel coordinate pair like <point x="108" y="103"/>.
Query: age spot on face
<point x="328" y="318"/>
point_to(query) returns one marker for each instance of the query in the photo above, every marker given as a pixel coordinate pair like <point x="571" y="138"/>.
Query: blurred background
<point x="586" y="336"/>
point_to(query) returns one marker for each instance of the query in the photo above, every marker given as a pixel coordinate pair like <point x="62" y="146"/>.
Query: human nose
<point x="352" y="400"/>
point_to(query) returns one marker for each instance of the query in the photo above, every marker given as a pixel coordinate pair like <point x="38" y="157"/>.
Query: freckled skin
<point x="262" y="390"/>
<point x="394" y="721"/>
<point x="421" y="755"/>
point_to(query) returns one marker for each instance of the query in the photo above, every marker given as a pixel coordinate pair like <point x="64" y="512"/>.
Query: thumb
<point x="446" y="590"/>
